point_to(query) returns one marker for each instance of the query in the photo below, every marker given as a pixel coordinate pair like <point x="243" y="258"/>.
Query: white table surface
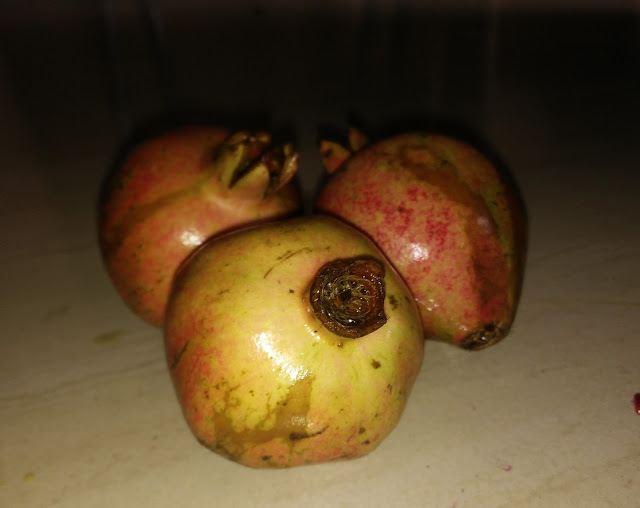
<point x="88" y="416"/>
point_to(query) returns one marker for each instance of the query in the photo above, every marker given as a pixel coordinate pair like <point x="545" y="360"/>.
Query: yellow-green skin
<point x="260" y="380"/>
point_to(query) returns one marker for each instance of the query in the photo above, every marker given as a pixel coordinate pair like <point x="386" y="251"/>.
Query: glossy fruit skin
<point x="260" y="380"/>
<point x="449" y="223"/>
<point x="164" y="201"/>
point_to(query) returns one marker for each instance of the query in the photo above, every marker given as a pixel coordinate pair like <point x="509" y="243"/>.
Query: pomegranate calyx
<point x="332" y="155"/>
<point x="347" y="296"/>
<point x="357" y="139"/>
<point x="247" y="164"/>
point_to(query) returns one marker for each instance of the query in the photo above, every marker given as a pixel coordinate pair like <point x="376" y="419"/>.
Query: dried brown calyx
<point x="484" y="337"/>
<point x="248" y="160"/>
<point x="347" y="296"/>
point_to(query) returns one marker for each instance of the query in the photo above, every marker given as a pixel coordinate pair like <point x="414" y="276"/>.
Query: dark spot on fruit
<point x="400" y="209"/>
<point x="291" y="291"/>
<point x="178" y="357"/>
<point x="366" y="442"/>
<point x="296" y="436"/>
<point x="266" y="457"/>
<point x="389" y="388"/>
<point x="340" y="344"/>
<point x="375" y="364"/>
<point x="485" y="336"/>
<point x="393" y="301"/>
<point x="361" y="430"/>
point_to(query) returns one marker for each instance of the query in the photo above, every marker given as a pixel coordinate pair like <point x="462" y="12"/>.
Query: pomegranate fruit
<point x="175" y="190"/>
<point x="292" y="342"/>
<point x="448" y="222"/>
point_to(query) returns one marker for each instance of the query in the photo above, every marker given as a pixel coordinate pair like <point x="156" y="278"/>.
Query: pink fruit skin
<point x="162" y="204"/>
<point x="448" y="223"/>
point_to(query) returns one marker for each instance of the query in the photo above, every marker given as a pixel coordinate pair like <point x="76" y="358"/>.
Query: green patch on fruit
<point x="290" y="424"/>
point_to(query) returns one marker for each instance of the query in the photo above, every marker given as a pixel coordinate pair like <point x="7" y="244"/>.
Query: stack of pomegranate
<point x="295" y="339"/>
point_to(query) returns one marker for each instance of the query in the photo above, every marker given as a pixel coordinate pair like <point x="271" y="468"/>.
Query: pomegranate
<point x="448" y="222"/>
<point x="290" y="343"/>
<point x="175" y="190"/>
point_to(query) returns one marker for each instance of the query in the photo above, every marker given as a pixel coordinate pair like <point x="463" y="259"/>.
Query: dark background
<point x="81" y="79"/>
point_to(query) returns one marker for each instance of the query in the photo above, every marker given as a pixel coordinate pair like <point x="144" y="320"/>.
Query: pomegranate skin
<point x="268" y="379"/>
<point x="448" y="222"/>
<point x="174" y="191"/>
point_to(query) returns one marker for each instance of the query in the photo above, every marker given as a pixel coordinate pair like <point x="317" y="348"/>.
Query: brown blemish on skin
<point x="393" y="301"/>
<point x="178" y="357"/>
<point x="375" y="364"/>
<point x="294" y="436"/>
<point x="291" y="423"/>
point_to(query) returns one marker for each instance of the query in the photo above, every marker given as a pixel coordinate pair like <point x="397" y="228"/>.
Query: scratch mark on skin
<point x="295" y="436"/>
<point x="178" y="357"/>
<point x="287" y="255"/>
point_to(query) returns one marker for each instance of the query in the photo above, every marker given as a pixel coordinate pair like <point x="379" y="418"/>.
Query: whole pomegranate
<point x="175" y="190"/>
<point x="293" y="342"/>
<point x="446" y="219"/>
